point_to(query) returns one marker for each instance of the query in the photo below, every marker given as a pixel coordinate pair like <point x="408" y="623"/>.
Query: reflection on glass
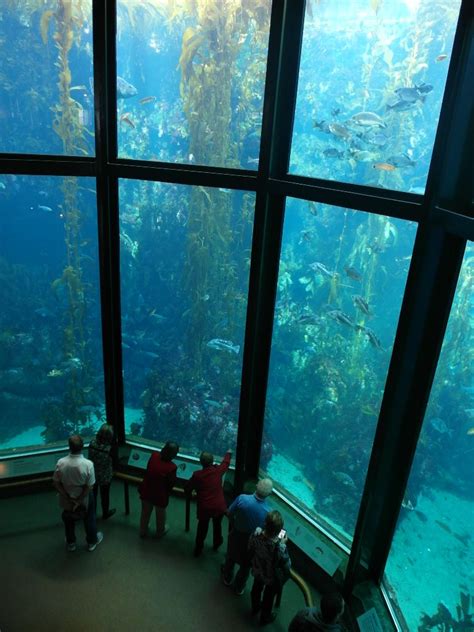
<point x="51" y="376"/>
<point x="184" y="271"/>
<point x="341" y="281"/>
<point x="429" y="570"/>
<point x="367" y="111"/>
<point x="197" y="71"/>
<point x="46" y="102"/>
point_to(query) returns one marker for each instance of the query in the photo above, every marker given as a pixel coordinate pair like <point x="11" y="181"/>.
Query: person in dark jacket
<point x="99" y="454"/>
<point x="156" y="487"/>
<point x="210" y="499"/>
<point x="270" y="563"/>
<point x="323" y="620"/>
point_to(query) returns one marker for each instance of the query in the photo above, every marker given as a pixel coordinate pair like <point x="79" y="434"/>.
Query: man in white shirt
<point x="74" y="479"/>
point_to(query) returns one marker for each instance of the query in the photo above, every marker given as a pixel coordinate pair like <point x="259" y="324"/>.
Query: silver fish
<point x="223" y="345"/>
<point x="368" y="119"/>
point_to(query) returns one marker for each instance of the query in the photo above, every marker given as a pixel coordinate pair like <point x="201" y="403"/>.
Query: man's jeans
<point x="89" y="524"/>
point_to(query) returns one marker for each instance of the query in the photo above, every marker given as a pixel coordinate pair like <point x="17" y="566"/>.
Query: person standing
<point x="246" y="513"/>
<point x="270" y="563"/>
<point x="210" y="499"/>
<point x="326" y="619"/>
<point x="155" y="489"/>
<point x="74" y="480"/>
<point x="99" y="454"/>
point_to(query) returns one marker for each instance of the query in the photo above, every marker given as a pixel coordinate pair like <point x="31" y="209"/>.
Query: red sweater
<point x="158" y="482"/>
<point x="208" y="484"/>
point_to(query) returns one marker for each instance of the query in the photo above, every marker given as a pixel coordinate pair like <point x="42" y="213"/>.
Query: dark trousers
<point x="89" y="524"/>
<point x="263" y="604"/>
<point x="104" y="497"/>
<point x="237" y="553"/>
<point x="202" y="529"/>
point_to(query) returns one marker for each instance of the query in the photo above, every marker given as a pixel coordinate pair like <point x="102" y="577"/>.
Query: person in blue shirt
<point x="246" y="513"/>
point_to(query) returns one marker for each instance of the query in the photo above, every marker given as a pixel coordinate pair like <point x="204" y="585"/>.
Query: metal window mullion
<point x="104" y="21"/>
<point x="286" y="30"/>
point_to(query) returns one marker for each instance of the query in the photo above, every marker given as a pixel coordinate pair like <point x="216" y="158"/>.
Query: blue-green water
<point x="191" y="91"/>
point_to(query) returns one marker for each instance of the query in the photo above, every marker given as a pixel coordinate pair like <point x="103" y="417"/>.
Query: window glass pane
<point x="432" y="557"/>
<point x="46" y="103"/>
<point x="341" y="280"/>
<point x="192" y="77"/>
<point x="367" y="111"/>
<point x="51" y="375"/>
<point x="184" y="270"/>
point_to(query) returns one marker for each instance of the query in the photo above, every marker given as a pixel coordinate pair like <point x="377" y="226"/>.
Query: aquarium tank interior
<point x="248" y="225"/>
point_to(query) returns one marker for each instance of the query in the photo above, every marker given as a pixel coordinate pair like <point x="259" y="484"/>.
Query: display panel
<point x="184" y="274"/>
<point x="429" y="571"/>
<point x="341" y="281"/>
<point x="51" y="374"/>
<point x="368" y="109"/>
<point x="46" y="102"/>
<point x="191" y="80"/>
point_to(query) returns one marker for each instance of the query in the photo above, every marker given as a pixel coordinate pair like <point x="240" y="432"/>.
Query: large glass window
<point x="46" y="102"/>
<point x="430" y="568"/>
<point x="51" y="375"/>
<point x="191" y="80"/>
<point x="367" y="110"/>
<point x="184" y="272"/>
<point x="341" y="281"/>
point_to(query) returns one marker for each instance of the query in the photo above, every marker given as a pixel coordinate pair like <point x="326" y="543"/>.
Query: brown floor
<point x="126" y="584"/>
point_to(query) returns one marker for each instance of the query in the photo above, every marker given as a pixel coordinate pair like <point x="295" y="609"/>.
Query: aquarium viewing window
<point x="266" y="205"/>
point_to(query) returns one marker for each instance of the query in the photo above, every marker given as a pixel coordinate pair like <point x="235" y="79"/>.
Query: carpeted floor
<point x="126" y="584"/>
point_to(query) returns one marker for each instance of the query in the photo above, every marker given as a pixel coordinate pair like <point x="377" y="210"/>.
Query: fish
<point x="55" y="373"/>
<point x="361" y="304"/>
<point x="441" y="57"/>
<point x="306" y="318"/>
<point x="470" y="431"/>
<point x="146" y="100"/>
<point x="440" y="426"/>
<point x="305" y="235"/>
<point x="400" y="161"/>
<point x="399" y="105"/>
<point x="383" y="166"/>
<point x="340" y="317"/>
<point x="125" y="90"/>
<point x="368" y="119"/>
<point x="372" y="338"/>
<point x="424" y="88"/>
<point x="321" y="269"/>
<point x="223" y="345"/>
<point x="339" y="130"/>
<point x="43" y="208"/>
<point x="352" y="273"/>
<point x="322" y="125"/>
<point x="409" y="95"/>
<point x="125" y="118"/>
<point x="332" y="152"/>
<point x="345" y="479"/>
<point x="313" y="209"/>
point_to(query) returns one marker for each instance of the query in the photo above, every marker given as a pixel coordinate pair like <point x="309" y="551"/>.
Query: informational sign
<point x="308" y="541"/>
<point x="29" y="465"/>
<point x="139" y="458"/>
<point x="369" y="622"/>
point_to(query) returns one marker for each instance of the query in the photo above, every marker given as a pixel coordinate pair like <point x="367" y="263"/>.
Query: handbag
<point x="280" y="573"/>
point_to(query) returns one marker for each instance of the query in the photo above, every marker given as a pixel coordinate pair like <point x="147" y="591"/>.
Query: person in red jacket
<point x="156" y="487"/>
<point x="210" y="499"/>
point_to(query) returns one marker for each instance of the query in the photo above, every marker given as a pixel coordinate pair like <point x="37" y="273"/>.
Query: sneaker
<point x="163" y="533"/>
<point x="225" y="581"/>
<point x="100" y="537"/>
<point x="71" y="546"/>
<point x="268" y="619"/>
